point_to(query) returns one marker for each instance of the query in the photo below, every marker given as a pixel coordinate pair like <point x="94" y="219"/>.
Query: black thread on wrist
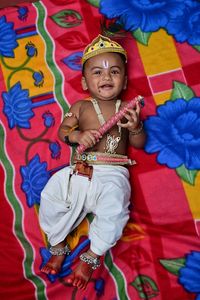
<point x="67" y="141"/>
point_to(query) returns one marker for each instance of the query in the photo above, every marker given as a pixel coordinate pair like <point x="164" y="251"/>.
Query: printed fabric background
<point x="41" y="45"/>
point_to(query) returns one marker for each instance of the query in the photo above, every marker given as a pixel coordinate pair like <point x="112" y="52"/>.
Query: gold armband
<point x="69" y="115"/>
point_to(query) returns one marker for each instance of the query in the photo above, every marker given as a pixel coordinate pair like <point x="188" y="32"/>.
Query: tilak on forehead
<point x="105" y="64"/>
<point x="102" y="44"/>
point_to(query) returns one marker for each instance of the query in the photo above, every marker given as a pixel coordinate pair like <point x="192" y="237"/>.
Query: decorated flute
<point x="114" y="119"/>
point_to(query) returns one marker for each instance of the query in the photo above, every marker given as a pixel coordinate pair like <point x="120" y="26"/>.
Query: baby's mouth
<point x="106" y="86"/>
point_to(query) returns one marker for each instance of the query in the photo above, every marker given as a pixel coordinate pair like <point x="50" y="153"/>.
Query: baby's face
<point x="104" y="76"/>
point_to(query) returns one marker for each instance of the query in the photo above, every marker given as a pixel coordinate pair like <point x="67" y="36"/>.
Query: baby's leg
<point x="112" y="208"/>
<point x="53" y="266"/>
<point x="80" y="277"/>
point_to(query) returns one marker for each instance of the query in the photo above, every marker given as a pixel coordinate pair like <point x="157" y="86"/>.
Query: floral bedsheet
<point x="41" y="46"/>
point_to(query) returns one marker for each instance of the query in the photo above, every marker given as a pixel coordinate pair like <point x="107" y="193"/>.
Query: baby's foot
<point x="89" y="261"/>
<point x="53" y="266"/>
<point x="81" y="275"/>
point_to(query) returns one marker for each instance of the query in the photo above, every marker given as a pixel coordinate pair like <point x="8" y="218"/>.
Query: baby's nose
<point x="106" y="76"/>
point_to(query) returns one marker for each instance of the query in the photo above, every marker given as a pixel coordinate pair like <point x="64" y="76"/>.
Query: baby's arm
<point x="137" y="136"/>
<point x="69" y="128"/>
<point x="70" y="121"/>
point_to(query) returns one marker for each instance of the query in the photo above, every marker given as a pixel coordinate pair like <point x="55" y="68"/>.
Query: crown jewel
<point x="102" y="44"/>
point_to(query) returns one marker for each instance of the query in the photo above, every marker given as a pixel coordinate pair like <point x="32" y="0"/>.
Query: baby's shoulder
<point x="78" y="104"/>
<point x="80" y="107"/>
<point x="84" y="104"/>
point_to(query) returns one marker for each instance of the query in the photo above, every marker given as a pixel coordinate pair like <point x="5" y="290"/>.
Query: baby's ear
<point x="84" y="84"/>
<point x="125" y="83"/>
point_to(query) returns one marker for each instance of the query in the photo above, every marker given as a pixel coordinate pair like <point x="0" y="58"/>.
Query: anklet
<point x="88" y="259"/>
<point x="60" y="251"/>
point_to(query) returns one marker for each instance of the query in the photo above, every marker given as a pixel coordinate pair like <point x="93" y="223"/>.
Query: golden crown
<point x="102" y="44"/>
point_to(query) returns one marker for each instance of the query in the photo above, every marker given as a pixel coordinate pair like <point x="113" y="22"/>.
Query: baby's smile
<point x="106" y="86"/>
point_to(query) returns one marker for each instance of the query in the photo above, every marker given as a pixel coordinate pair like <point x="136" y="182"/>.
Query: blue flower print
<point x="31" y="49"/>
<point x="99" y="286"/>
<point x="7" y="38"/>
<point x="17" y="106"/>
<point x="35" y="177"/>
<point x="49" y="120"/>
<point x="23" y="13"/>
<point x="148" y="15"/>
<point x="189" y="275"/>
<point x="186" y="27"/>
<point x="174" y="133"/>
<point x="39" y="78"/>
<point x="55" y="150"/>
<point x="73" y="61"/>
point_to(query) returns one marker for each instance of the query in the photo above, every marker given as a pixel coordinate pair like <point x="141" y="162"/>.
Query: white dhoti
<point x="66" y="200"/>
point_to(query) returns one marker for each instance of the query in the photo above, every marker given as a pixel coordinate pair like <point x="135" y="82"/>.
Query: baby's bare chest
<point x="89" y="119"/>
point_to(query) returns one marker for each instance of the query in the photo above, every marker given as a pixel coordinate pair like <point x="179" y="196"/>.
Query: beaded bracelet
<point x="138" y="130"/>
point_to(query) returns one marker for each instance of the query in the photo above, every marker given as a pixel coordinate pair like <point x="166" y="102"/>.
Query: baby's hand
<point x="88" y="138"/>
<point x="133" y="117"/>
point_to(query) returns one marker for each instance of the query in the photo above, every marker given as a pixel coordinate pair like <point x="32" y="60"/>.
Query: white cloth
<point x="66" y="200"/>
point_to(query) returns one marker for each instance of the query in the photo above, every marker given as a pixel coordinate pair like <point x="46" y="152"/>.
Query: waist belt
<point x="98" y="158"/>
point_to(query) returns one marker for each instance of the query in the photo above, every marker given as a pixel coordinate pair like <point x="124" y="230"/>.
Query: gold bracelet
<point x="66" y="137"/>
<point x="69" y="129"/>
<point x="138" y="130"/>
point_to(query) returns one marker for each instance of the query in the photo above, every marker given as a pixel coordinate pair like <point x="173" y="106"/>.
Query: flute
<point x="114" y="119"/>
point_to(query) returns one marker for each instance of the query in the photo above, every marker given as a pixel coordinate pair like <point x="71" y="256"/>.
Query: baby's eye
<point x="97" y="72"/>
<point x="115" y="71"/>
